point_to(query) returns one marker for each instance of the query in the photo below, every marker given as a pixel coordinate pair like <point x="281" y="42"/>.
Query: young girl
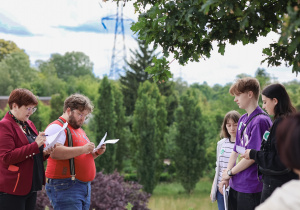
<point x="276" y="102"/>
<point x="224" y="149"/>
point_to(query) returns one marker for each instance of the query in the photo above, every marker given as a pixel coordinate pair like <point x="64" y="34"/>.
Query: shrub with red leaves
<point x="111" y="192"/>
<point x="108" y="192"/>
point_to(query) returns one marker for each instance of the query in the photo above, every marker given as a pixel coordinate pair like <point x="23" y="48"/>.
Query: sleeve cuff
<point x="252" y="154"/>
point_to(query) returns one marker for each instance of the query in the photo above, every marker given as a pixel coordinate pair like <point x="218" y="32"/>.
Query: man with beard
<point x="70" y="169"/>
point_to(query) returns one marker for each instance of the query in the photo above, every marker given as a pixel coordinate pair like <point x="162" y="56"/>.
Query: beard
<point x="72" y="121"/>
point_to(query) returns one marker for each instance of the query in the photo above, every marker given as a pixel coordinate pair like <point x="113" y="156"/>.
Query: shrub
<point x="42" y="200"/>
<point x="165" y="177"/>
<point x="109" y="192"/>
<point x="130" y="177"/>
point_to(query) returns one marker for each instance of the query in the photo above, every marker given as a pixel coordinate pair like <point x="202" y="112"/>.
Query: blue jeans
<point x="67" y="194"/>
<point x="220" y="200"/>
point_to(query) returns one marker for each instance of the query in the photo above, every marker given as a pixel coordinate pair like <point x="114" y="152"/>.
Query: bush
<point x="109" y="192"/>
<point x="130" y="177"/>
<point x="165" y="177"/>
<point x="42" y="200"/>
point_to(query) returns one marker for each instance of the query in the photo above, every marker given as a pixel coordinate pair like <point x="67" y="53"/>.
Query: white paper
<point x="225" y="196"/>
<point x="240" y="149"/>
<point x="52" y="139"/>
<point x="111" y="141"/>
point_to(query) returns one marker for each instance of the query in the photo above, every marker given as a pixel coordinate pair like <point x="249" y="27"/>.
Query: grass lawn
<point x="171" y="196"/>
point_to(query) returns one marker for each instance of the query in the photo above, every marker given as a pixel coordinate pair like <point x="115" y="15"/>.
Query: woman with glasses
<point x="21" y="153"/>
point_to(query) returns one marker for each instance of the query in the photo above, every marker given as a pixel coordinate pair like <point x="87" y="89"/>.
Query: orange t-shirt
<point x="85" y="168"/>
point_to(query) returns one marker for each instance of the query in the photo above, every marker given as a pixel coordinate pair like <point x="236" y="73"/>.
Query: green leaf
<point x="221" y="48"/>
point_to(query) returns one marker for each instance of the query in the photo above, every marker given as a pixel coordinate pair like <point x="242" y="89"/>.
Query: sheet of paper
<point x="52" y="139"/>
<point x="225" y="196"/>
<point x="101" y="142"/>
<point x="111" y="141"/>
<point x="240" y="149"/>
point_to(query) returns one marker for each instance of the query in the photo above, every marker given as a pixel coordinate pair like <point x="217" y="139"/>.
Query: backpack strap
<point x="250" y="121"/>
<point x="70" y="144"/>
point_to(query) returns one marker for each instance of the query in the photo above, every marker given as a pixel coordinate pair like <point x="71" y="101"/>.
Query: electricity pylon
<point x="119" y="48"/>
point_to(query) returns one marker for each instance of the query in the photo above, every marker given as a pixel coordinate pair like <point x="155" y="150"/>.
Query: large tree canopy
<point x="8" y="47"/>
<point x="72" y="63"/>
<point x="187" y="28"/>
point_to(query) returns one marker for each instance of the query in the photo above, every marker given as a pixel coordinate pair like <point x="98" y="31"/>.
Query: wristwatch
<point x="229" y="172"/>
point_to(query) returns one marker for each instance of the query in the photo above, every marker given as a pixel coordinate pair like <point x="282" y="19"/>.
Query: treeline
<point x="154" y="121"/>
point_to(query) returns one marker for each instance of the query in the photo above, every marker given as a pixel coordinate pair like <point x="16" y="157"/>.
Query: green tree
<point x="86" y="85"/>
<point x="8" y="47"/>
<point x="149" y="128"/>
<point x="263" y="77"/>
<point x="15" y="72"/>
<point x="121" y="131"/>
<point x="135" y="74"/>
<point x="190" y="148"/>
<point x="293" y="89"/>
<point x="41" y="118"/>
<point x="47" y="82"/>
<point x="72" y="64"/>
<point x="105" y="121"/>
<point x="57" y="105"/>
<point x="188" y="28"/>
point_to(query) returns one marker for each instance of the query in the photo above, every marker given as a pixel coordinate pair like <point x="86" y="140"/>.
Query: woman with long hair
<point x="277" y="103"/>
<point x="224" y="149"/>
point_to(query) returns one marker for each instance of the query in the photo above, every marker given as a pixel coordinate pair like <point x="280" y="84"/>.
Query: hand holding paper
<point x="246" y="155"/>
<point x="240" y="149"/>
<point x="52" y="139"/>
<point x="111" y="141"/>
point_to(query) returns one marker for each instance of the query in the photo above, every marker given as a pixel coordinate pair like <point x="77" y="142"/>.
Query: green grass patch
<point x="168" y="196"/>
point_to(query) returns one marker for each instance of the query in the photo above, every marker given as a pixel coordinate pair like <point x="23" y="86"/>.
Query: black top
<point x="37" y="176"/>
<point x="269" y="161"/>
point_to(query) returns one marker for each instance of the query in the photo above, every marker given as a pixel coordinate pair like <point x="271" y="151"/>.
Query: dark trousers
<point x="17" y="202"/>
<point x="269" y="186"/>
<point x="243" y="201"/>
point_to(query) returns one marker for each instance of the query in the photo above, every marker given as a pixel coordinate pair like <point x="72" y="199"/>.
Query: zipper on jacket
<point x="17" y="182"/>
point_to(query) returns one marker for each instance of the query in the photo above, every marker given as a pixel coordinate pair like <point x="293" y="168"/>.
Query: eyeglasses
<point x="82" y="115"/>
<point x="31" y="109"/>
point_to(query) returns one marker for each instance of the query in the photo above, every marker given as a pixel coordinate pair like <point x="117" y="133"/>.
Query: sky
<point x="45" y="27"/>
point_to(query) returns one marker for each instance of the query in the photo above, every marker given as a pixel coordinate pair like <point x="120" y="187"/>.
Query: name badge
<point x="266" y="135"/>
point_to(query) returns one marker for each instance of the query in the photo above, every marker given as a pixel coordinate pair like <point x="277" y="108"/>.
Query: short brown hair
<point x="288" y="141"/>
<point x="245" y="84"/>
<point x="78" y="102"/>
<point x="22" y="97"/>
<point x="235" y="116"/>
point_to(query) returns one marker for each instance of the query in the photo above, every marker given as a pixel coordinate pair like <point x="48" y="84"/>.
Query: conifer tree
<point x="105" y="121"/>
<point x="149" y="127"/>
<point x="190" y="138"/>
<point x="139" y="61"/>
<point x="135" y="75"/>
<point x="121" y="132"/>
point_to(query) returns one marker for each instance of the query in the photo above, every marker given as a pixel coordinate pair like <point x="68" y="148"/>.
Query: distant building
<point x="4" y="100"/>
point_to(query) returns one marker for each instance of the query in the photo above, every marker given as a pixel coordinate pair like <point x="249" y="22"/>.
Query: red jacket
<point x="16" y="157"/>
